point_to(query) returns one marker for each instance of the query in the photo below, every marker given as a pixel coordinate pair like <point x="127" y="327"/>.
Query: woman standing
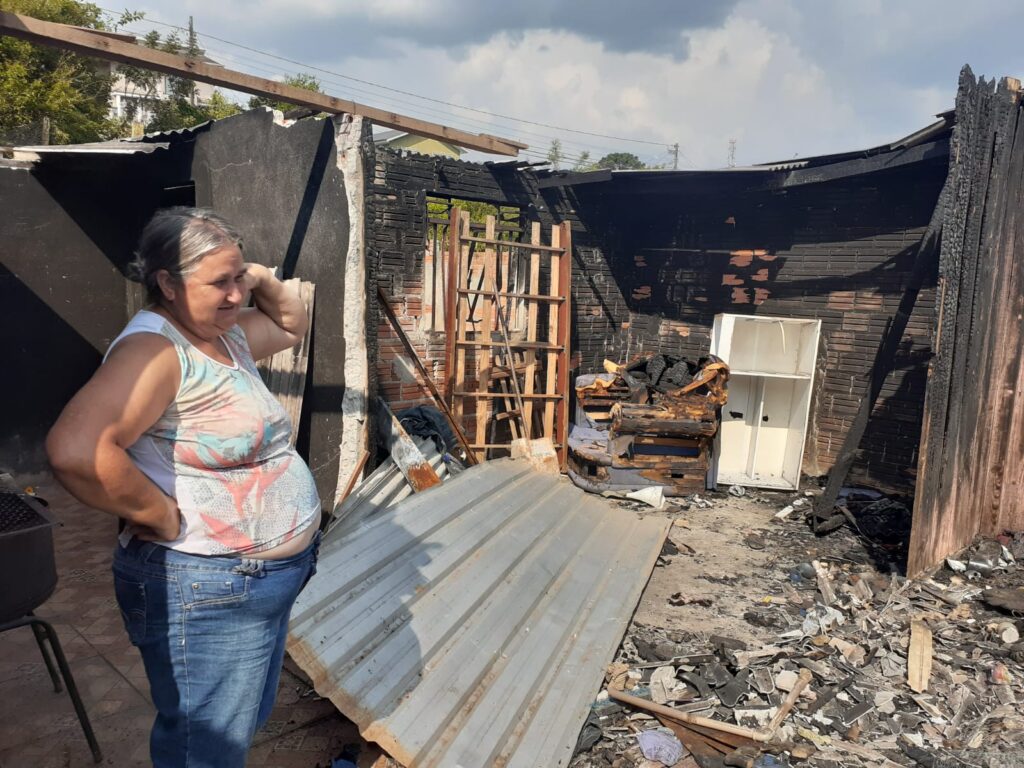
<point x="177" y="435"/>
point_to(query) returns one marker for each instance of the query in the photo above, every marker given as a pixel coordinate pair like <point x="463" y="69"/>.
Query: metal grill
<point x="16" y="515"/>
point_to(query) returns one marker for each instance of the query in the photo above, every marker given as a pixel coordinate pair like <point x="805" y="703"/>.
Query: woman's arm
<point x="279" y="319"/>
<point x="87" y="446"/>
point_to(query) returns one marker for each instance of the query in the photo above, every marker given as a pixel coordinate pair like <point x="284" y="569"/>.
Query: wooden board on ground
<point x="919" y="657"/>
<point x="540" y="453"/>
<point x="410" y="460"/>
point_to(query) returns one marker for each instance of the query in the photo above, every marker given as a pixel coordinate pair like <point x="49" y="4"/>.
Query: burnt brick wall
<point x="653" y="270"/>
<point x="398" y="184"/>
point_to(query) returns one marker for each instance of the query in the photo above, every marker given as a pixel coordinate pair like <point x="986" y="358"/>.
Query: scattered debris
<point x="868" y="670"/>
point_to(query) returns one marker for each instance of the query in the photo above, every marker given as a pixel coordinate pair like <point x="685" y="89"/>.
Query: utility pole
<point x="674" y="149"/>
<point x="193" y="50"/>
<point x="732" y="153"/>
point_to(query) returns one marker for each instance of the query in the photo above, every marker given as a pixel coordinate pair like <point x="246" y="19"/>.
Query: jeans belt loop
<point x="249" y="567"/>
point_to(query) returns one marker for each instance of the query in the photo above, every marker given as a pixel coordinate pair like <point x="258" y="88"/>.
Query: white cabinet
<point x="771" y="376"/>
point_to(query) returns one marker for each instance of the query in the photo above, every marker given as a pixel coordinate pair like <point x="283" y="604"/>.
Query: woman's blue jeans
<point x="211" y="631"/>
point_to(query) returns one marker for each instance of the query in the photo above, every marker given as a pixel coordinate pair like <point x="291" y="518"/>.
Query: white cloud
<point x="740" y="81"/>
<point x="783" y="77"/>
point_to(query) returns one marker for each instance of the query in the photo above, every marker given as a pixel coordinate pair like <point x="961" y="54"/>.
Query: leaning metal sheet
<point x="469" y="625"/>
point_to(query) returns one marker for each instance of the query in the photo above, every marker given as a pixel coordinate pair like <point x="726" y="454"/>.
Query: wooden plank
<point x="463" y="310"/>
<point x="512" y="379"/>
<point x="971" y="468"/>
<point x="427" y="380"/>
<point x="451" y="299"/>
<point x="93" y="44"/>
<point x="564" y="267"/>
<point x="284" y="372"/>
<point x="530" y="296"/>
<point x="488" y="240"/>
<point x="551" y="368"/>
<point x="489" y="446"/>
<point x="919" y="657"/>
<point x="410" y="461"/>
<point x="684" y="717"/>
<point x="356" y="473"/>
<point x="530" y="379"/>
<point x="535" y="396"/>
<point x="514" y="344"/>
<point x="483" y="333"/>
<point x="513" y="414"/>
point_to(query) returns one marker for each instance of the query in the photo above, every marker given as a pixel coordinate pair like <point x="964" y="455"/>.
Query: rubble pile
<point x="647" y="424"/>
<point x="922" y="672"/>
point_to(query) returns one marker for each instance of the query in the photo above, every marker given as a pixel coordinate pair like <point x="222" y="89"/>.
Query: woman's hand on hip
<point x="164" y="527"/>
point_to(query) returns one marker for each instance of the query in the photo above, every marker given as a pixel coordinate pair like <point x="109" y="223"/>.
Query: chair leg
<point x="40" y="636"/>
<point x="69" y="681"/>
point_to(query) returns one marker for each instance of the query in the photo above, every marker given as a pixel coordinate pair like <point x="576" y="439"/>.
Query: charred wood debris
<point x="888" y="671"/>
<point x="647" y="424"/>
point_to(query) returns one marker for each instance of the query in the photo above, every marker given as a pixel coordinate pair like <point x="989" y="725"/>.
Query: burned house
<point x="845" y="335"/>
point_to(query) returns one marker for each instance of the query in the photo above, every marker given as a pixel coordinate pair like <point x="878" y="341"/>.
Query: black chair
<point x="29" y="573"/>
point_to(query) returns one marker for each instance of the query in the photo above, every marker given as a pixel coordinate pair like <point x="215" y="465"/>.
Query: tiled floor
<point x="38" y="728"/>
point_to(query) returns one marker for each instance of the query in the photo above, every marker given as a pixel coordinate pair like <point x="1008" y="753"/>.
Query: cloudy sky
<point x="784" y="78"/>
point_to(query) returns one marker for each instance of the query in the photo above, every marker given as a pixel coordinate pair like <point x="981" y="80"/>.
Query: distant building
<point x="413" y="143"/>
<point x="124" y="94"/>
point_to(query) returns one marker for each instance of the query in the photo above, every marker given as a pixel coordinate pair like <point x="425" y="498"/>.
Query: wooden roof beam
<point x="90" y="43"/>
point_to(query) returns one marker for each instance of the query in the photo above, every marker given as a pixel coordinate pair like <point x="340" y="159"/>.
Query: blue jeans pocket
<point x="131" y="599"/>
<point x="212" y="589"/>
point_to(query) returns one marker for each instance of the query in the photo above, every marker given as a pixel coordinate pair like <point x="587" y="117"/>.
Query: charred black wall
<point x="68" y="229"/>
<point x="71" y="223"/>
<point x="662" y="259"/>
<point x="282" y="188"/>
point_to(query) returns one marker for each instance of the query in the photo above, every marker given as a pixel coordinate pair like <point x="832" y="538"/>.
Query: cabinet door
<point x="774" y="434"/>
<point x="736" y="434"/>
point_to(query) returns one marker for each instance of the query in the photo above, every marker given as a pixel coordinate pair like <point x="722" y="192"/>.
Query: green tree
<point x="555" y="153"/>
<point x="39" y="82"/>
<point x="301" y="80"/>
<point x="179" y="106"/>
<point x="621" y="161"/>
<point x="584" y="163"/>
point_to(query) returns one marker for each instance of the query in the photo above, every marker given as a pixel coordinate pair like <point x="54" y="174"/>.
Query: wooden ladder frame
<point x="479" y="286"/>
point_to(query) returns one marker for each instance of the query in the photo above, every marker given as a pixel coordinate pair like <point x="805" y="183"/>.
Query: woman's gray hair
<point x="176" y="239"/>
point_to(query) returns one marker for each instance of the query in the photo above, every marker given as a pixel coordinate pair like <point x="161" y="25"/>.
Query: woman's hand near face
<point x="279" y="320"/>
<point x="256" y="276"/>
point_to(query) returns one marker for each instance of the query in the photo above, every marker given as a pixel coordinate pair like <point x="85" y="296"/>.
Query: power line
<point x="403" y="92"/>
<point x="259" y="66"/>
<point x="537" y="153"/>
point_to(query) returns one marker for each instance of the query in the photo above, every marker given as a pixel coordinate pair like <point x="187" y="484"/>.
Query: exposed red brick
<point x="641" y="292"/>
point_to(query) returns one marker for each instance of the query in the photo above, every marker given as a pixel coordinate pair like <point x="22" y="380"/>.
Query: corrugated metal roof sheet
<point x="116" y="147"/>
<point x="383" y="488"/>
<point x="469" y="625"/>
